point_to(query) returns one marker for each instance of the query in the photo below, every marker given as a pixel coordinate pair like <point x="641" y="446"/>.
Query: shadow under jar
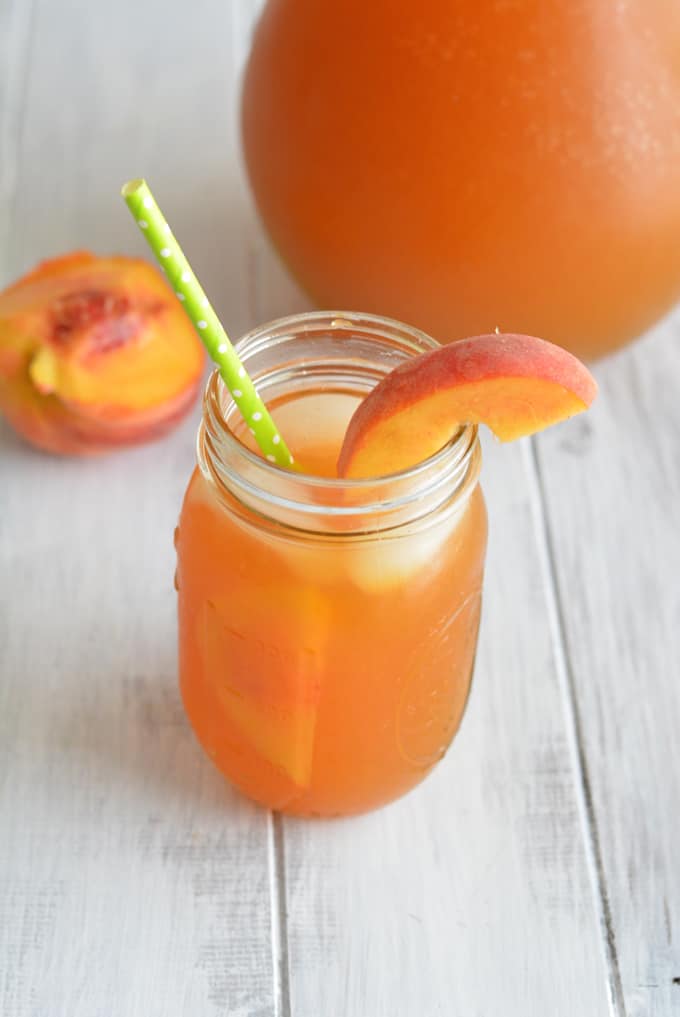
<point x="327" y="628"/>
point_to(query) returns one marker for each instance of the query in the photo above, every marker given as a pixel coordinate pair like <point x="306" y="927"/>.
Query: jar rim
<point x="237" y="466"/>
<point x="325" y="319"/>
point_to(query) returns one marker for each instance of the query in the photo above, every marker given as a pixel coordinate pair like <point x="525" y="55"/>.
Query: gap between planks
<point x="279" y="918"/>
<point x="574" y="733"/>
<point x="243" y="28"/>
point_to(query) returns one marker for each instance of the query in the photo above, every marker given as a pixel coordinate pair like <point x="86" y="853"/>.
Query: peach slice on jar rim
<point x="95" y="353"/>
<point x="515" y="384"/>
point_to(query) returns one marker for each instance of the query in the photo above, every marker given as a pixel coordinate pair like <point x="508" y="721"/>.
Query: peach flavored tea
<point x="328" y="626"/>
<point x="323" y="674"/>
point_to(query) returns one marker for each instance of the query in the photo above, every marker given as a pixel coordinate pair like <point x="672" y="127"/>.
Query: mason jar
<point x="327" y="627"/>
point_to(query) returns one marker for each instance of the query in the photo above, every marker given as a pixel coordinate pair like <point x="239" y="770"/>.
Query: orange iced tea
<point x="327" y="628"/>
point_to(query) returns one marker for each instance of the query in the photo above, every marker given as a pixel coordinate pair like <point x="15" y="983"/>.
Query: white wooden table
<point x="537" y="872"/>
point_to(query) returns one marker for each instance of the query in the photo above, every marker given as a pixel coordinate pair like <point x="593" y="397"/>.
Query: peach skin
<point x="95" y="353"/>
<point x="515" y="384"/>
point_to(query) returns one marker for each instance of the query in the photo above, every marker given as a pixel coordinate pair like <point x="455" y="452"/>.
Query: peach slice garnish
<point x="515" y="384"/>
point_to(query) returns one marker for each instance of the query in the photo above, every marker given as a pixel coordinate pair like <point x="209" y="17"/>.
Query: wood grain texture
<point x="612" y="487"/>
<point x="132" y="880"/>
<point x="128" y="870"/>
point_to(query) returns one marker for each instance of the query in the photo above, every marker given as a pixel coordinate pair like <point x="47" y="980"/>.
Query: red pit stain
<point x="107" y="318"/>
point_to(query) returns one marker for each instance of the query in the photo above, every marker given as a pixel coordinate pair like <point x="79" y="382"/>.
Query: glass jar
<point x="327" y="628"/>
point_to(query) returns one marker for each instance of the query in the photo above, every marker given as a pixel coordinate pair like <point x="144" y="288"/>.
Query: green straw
<point x="158" y="234"/>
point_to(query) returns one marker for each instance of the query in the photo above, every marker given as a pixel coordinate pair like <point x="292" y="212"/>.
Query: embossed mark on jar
<point x="434" y="694"/>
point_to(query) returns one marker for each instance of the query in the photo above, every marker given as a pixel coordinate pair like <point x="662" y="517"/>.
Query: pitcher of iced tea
<point x="472" y="164"/>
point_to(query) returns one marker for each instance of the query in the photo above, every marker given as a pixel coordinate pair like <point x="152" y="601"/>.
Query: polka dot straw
<point x="159" y="236"/>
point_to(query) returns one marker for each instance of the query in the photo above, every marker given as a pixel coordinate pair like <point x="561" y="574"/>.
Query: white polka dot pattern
<point x="188" y="290"/>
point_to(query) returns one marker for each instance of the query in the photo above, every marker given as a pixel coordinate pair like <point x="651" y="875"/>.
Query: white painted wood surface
<point x="612" y="491"/>
<point x="537" y="872"/>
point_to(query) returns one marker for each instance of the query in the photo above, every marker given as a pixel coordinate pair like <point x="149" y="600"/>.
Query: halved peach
<point x="95" y="353"/>
<point x="515" y="384"/>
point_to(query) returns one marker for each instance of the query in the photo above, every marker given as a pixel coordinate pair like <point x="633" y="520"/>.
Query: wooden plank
<point x="151" y="94"/>
<point x="472" y="895"/>
<point x="16" y="21"/>
<point x="612" y="487"/>
<point x="132" y="880"/>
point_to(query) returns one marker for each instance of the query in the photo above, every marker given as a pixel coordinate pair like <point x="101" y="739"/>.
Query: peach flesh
<point x="95" y="353"/>
<point x="514" y="384"/>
